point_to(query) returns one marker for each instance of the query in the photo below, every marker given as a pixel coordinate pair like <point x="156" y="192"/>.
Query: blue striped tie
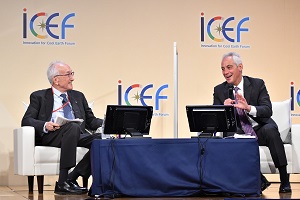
<point x="67" y="108"/>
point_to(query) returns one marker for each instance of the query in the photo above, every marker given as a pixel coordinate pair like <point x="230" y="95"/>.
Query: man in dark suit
<point x="254" y="99"/>
<point x="45" y="105"/>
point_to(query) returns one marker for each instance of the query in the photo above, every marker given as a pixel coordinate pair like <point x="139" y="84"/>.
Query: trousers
<point x="68" y="137"/>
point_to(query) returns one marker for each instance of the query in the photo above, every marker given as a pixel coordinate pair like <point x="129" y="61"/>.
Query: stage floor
<point x="21" y="193"/>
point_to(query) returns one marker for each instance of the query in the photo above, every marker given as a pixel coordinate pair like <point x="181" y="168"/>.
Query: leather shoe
<point x="264" y="183"/>
<point x="74" y="184"/>
<point x="66" y="189"/>
<point x="285" y="188"/>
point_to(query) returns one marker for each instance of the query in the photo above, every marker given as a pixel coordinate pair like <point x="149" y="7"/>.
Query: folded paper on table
<point x="243" y="136"/>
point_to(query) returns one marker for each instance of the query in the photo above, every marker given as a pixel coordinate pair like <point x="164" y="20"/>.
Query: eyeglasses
<point x="68" y="74"/>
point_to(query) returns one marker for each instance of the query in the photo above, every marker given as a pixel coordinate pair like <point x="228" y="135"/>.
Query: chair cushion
<point x="48" y="155"/>
<point x="266" y="162"/>
<point x="282" y="117"/>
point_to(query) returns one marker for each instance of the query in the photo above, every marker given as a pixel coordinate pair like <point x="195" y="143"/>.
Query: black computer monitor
<point x="128" y="120"/>
<point x="211" y="118"/>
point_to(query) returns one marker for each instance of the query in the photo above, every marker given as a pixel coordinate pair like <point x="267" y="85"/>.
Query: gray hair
<point x="53" y="71"/>
<point x="235" y="56"/>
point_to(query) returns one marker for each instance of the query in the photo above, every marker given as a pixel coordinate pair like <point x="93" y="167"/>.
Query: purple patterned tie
<point x="245" y="123"/>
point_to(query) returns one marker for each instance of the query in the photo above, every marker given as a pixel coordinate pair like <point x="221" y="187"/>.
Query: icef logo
<point x="141" y="97"/>
<point x="37" y="22"/>
<point x="221" y="25"/>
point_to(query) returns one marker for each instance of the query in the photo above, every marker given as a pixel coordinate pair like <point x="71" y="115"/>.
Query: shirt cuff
<point x="44" y="128"/>
<point x="253" y="111"/>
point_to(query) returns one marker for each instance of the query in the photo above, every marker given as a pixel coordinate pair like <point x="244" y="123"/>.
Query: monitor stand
<point x="205" y="135"/>
<point x="134" y="133"/>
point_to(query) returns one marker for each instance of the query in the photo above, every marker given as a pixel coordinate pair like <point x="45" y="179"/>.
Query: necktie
<point x="245" y="123"/>
<point x="67" y="108"/>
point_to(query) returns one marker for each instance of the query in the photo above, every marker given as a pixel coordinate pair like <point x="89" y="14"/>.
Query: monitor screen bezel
<point x="211" y="118"/>
<point x="114" y="120"/>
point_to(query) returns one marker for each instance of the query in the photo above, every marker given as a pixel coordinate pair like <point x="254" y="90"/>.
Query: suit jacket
<point x="256" y="94"/>
<point x="40" y="109"/>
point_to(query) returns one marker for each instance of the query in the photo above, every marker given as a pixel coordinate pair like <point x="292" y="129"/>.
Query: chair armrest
<point x="295" y="138"/>
<point x="24" y="142"/>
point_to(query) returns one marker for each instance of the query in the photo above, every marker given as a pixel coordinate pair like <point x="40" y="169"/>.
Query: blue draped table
<point x="175" y="167"/>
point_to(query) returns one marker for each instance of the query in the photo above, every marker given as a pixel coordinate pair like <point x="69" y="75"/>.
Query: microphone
<point x="230" y="92"/>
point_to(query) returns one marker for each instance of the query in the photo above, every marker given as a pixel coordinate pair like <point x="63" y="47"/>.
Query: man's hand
<point x="229" y="101"/>
<point x="51" y="126"/>
<point x="242" y="103"/>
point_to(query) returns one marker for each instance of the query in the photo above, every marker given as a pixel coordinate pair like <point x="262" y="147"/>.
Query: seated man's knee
<point x="269" y="132"/>
<point x="72" y="128"/>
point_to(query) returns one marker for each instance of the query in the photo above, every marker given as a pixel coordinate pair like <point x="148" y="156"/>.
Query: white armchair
<point x="31" y="160"/>
<point x="290" y="135"/>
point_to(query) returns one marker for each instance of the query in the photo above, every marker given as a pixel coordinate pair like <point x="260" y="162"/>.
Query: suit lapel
<point x="247" y="89"/>
<point x="49" y="101"/>
<point x="74" y="104"/>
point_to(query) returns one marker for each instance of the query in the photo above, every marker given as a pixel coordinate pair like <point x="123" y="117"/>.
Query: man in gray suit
<point x="45" y="105"/>
<point x="254" y="99"/>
